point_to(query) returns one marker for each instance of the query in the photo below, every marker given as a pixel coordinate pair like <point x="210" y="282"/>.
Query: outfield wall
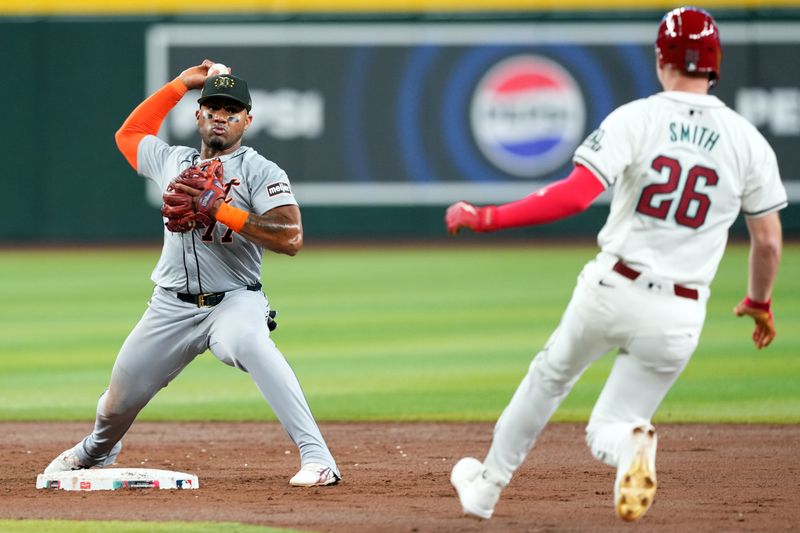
<point x="380" y="119"/>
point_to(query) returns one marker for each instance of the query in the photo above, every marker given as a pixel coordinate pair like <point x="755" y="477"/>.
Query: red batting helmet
<point x="688" y="40"/>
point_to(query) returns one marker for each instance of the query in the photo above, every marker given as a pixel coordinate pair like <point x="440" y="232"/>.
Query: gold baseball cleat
<point x="636" y="487"/>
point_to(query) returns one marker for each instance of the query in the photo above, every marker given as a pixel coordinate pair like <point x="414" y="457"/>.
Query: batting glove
<point x="760" y="312"/>
<point x="465" y="215"/>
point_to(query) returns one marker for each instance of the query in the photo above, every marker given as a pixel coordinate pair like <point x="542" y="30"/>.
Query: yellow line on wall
<point x="144" y="7"/>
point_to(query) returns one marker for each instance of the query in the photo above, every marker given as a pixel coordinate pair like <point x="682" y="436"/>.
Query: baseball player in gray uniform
<point x="683" y="165"/>
<point x="207" y="292"/>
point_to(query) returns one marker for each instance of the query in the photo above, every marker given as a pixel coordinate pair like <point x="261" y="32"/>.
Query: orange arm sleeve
<point x="146" y="119"/>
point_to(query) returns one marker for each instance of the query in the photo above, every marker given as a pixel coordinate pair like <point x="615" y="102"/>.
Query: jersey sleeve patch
<point x="594" y="141"/>
<point x="279" y="187"/>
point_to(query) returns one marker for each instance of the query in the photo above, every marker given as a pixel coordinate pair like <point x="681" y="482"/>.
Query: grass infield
<point x="376" y="333"/>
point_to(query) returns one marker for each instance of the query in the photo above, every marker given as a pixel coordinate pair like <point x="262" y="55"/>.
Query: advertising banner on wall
<point x="422" y="113"/>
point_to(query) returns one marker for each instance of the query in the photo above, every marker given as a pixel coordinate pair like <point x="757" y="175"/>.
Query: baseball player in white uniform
<point x="682" y="165"/>
<point x="207" y="292"/>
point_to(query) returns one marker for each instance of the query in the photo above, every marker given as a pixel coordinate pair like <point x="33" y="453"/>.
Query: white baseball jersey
<point x="214" y="259"/>
<point x="683" y="166"/>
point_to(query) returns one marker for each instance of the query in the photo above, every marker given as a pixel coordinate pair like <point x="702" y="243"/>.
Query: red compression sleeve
<point x="561" y="199"/>
<point x="146" y="119"/>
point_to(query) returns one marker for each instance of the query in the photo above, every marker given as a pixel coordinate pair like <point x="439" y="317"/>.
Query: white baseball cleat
<point x="635" y="486"/>
<point x="65" y="462"/>
<point x="477" y="494"/>
<point x="69" y="460"/>
<point x="314" y="475"/>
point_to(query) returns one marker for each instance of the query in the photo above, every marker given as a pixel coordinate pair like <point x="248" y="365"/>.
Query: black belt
<point x="209" y="299"/>
<point x="680" y="290"/>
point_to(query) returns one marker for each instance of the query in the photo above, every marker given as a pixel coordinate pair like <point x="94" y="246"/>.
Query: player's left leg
<point x="630" y="397"/>
<point x="240" y="337"/>
<point x="619" y="431"/>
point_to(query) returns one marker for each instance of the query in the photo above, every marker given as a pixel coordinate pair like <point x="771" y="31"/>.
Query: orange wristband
<point x="233" y="217"/>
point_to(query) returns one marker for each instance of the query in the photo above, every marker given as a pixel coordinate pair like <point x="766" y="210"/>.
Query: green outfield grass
<point x="433" y="333"/>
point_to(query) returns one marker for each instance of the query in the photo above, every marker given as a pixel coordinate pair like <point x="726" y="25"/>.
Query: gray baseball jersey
<point x="214" y="259"/>
<point x="173" y="332"/>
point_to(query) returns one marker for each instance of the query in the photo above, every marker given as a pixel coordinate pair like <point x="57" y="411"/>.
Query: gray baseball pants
<point x="170" y="335"/>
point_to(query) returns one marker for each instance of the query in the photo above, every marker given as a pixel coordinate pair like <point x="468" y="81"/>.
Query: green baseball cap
<point x="226" y="86"/>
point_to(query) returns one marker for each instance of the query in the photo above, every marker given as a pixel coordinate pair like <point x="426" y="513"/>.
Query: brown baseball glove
<point x="190" y="196"/>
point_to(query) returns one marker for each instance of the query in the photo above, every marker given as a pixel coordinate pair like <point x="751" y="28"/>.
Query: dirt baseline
<point x="396" y="478"/>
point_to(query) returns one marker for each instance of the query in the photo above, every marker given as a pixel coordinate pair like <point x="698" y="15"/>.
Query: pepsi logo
<point x="527" y="115"/>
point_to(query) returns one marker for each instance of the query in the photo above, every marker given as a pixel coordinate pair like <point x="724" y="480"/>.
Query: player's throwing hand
<point x="194" y="77"/>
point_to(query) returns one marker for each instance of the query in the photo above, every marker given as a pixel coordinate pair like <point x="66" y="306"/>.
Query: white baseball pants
<point x="656" y="333"/>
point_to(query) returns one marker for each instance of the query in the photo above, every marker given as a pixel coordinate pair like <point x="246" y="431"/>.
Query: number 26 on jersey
<point x="693" y="205"/>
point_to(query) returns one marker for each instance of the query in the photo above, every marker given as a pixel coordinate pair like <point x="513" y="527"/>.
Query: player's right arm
<point x="146" y="119"/>
<point x="603" y="155"/>
<point x="766" y="243"/>
<point x="559" y="200"/>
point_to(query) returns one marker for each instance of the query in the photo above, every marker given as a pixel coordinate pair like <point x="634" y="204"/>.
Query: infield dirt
<point x="396" y="478"/>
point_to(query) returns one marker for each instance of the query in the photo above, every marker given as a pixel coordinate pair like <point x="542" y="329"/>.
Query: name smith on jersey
<point x="701" y="136"/>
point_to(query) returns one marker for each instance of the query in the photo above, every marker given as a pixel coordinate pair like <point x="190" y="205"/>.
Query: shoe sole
<point x="637" y="488"/>
<point x="318" y="483"/>
<point x="477" y="515"/>
<point x="328" y="484"/>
